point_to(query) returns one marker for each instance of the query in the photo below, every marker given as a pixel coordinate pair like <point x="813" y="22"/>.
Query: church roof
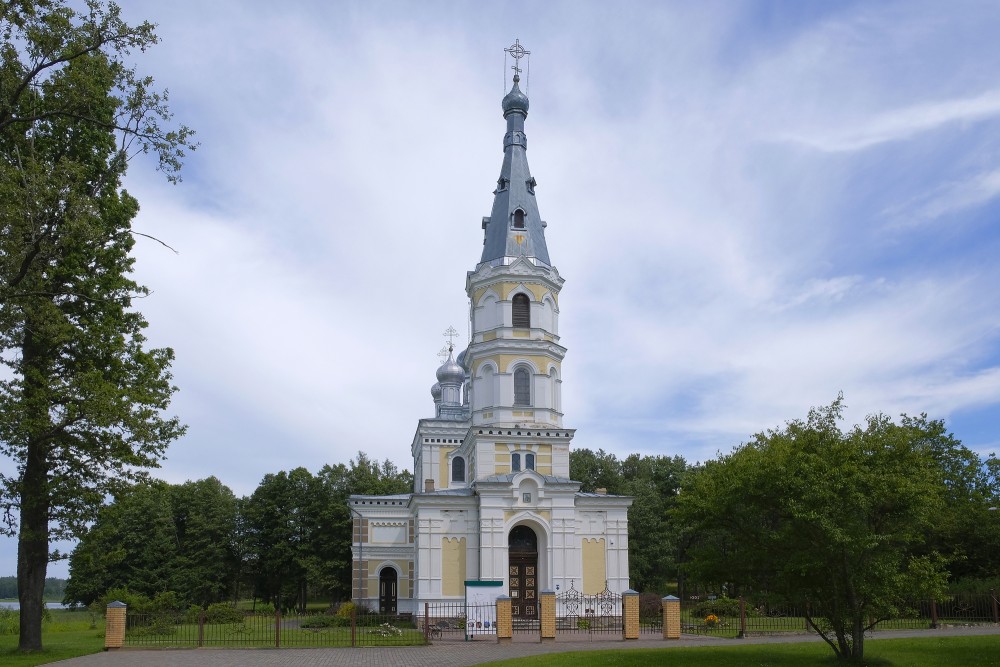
<point x="462" y="491"/>
<point x="508" y="478"/>
<point x="514" y="228"/>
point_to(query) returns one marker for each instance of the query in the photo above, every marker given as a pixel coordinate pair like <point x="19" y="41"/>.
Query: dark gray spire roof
<point x="514" y="228"/>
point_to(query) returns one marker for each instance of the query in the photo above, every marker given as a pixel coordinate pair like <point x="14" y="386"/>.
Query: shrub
<point x="650" y="605"/>
<point x="720" y="607"/>
<point x="136" y="602"/>
<point x="346" y="609"/>
<point x="221" y="613"/>
<point x="319" y="622"/>
<point x="10" y="622"/>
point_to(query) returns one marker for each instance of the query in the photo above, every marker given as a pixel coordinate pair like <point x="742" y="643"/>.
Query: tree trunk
<point x="33" y="536"/>
<point x="858" y="637"/>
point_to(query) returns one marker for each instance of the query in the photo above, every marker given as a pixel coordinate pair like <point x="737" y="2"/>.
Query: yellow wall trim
<point x="444" y="479"/>
<point x="594" y="566"/>
<point x="452" y="566"/>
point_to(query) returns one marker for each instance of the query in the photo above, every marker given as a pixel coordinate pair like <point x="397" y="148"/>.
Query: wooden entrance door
<point x="387" y="591"/>
<point x="523" y="572"/>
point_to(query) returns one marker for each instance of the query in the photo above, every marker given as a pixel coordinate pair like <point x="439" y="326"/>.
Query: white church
<point x="492" y="497"/>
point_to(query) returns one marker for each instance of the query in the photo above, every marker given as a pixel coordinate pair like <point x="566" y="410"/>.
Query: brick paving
<point x="443" y="654"/>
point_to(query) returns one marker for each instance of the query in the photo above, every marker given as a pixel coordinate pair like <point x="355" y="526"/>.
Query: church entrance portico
<point x="523" y="572"/>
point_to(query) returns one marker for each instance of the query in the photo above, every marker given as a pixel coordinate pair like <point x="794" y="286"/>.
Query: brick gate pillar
<point x="630" y="614"/>
<point x="114" y="625"/>
<point x="548" y="614"/>
<point x="671" y="617"/>
<point x="505" y="619"/>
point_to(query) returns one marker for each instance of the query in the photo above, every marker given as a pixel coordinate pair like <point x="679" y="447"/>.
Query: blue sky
<point x="756" y="205"/>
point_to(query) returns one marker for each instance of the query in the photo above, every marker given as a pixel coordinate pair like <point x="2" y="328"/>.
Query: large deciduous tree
<point x="654" y="482"/>
<point x="81" y="404"/>
<point x="833" y="522"/>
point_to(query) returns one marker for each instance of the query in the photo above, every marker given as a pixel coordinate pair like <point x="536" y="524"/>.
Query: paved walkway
<point x="446" y="654"/>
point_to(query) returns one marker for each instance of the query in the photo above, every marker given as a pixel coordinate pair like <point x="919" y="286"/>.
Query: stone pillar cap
<point x="671" y="597"/>
<point x="117" y="604"/>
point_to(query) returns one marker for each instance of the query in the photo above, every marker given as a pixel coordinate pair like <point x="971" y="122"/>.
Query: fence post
<point x="671" y="617"/>
<point x="547" y="614"/>
<point x="277" y="626"/>
<point x="354" y="625"/>
<point x="427" y="622"/>
<point x="201" y="628"/>
<point x="114" y="625"/>
<point x="934" y="621"/>
<point x="505" y="620"/>
<point x="630" y="614"/>
<point x="743" y="619"/>
<point x="993" y="598"/>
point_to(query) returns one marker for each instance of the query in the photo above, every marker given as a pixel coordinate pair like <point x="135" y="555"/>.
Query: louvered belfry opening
<point x="521" y="311"/>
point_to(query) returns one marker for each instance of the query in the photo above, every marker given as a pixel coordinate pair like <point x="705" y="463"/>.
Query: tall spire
<point x="514" y="228"/>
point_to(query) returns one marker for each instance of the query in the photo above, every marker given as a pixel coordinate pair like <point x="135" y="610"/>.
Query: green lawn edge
<point x="56" y="646"/>
<point x="968" y="651"/>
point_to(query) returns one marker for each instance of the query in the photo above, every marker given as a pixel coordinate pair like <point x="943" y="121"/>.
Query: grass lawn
<point x="58" y="645"/>
<point x="65" y="634"/>
<point x="975" y="651"/>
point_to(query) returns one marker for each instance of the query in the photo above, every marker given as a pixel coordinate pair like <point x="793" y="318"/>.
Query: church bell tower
<point x="514" y="359"/>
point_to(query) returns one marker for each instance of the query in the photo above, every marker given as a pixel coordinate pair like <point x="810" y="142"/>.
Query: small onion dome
<point x="450" y="372"/>
<point x="515" y="100"/>
<point x="460" y="360"/>
<point x="436" y="392"/>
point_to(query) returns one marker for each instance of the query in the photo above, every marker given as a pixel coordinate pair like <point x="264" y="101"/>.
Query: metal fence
<point x="742" y="618"/>
<point x="457" y="621"/>
<point x="169" y="629"/>
<point x="582" y="614"/>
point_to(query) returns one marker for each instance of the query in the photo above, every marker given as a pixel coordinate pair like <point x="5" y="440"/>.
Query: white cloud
<point x="899" y="124"/>
<point x="719" y="282"/>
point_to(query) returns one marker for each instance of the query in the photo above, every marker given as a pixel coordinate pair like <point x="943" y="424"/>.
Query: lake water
<point x="10" y="604"/>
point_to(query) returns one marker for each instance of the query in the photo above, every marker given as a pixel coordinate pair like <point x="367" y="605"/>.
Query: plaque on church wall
<point x="388" y="533"/>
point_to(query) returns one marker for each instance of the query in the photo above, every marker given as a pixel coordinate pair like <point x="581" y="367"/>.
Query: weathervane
<point x="516" y="52"/>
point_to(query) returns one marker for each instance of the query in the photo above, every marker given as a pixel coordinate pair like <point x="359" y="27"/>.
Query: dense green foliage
<point x="158" y="537"/>
<point x="288" y="541"/>
<point x="839" y="524"/>
<point x="654" y="482"/>
<point x="82" y="397"/>
<point x="55" y="588"/>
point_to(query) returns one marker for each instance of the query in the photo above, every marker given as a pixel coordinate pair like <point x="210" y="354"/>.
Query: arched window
<point x="522" y="387"/>
<point x="518" y="219"/>
<point x="458" y="469"/>
<point x="521" y="311"/>
<point x="529" y="461"/>
<point x="515" y="462"/>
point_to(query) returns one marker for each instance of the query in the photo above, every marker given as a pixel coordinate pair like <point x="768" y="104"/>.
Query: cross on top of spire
<point x="450" y="334"/>
<point x="517" y="52"/>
